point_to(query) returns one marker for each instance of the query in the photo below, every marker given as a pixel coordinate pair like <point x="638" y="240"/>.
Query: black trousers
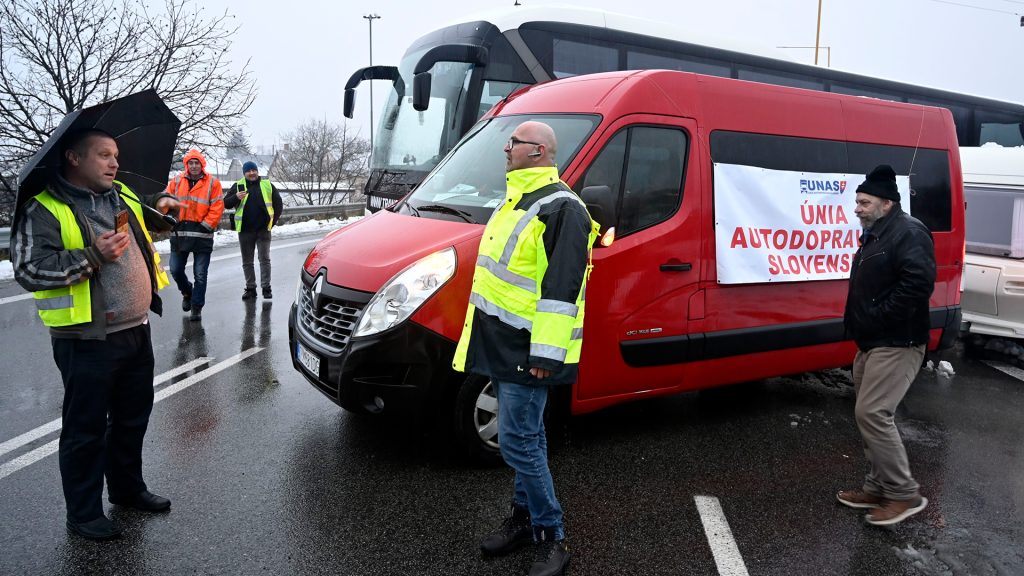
<point x="108" y="397"/>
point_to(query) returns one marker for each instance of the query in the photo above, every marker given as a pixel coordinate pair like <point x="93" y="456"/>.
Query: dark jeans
<point x="108" y="396"/>
<point x="524" y="447"/>
<point x="260" y="241"/>
<point x="200" y="269"/>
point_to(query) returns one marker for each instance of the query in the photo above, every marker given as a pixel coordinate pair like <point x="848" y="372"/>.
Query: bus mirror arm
<point x="468" y="53"/>
<point x="371" y="73"/>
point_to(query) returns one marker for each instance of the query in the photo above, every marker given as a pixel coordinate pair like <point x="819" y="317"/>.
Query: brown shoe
<point x="893" y="511"/>
<point x="858" y="498"/>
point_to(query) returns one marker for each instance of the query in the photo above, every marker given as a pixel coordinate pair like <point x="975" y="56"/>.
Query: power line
<point x="979" y="7"/>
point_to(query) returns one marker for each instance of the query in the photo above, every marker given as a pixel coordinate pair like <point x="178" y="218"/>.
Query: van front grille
<point x="332" y="325"/>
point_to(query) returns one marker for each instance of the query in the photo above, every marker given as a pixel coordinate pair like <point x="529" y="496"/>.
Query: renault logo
<point x="314" y="293"/>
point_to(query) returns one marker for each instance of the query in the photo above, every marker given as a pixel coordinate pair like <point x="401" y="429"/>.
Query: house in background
<point x="264" y="161"/>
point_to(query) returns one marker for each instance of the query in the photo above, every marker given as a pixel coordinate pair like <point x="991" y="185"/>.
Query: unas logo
<point x="822" y="186"/>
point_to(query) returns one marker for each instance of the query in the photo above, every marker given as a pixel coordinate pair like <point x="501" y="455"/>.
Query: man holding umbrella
<point x="81" y="246"/>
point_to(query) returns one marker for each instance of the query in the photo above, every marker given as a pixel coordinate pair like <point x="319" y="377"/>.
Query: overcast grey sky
<point x="303" y="51"/>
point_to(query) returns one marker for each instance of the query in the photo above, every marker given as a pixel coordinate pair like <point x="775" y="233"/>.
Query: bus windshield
<point x="470" y="183"/>
<point x="408" y="139"/>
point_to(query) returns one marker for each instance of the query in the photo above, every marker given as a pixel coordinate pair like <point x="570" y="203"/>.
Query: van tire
<point x="476" y="408"/>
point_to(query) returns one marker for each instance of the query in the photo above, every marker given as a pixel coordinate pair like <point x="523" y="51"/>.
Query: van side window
<point x="636" y="180"/>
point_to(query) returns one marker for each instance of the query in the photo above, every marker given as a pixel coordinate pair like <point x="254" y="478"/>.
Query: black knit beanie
<point x="881" y="182"/>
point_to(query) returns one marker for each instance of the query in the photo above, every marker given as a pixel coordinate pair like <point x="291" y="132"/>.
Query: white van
<point x="993" y="291"/>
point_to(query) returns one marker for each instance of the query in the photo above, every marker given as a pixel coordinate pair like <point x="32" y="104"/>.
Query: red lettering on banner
<point x="738" y="239"/>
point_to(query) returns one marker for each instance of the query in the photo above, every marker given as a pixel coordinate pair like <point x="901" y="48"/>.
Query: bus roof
<point x="506" y="19"/>
<point x="993" y="165"/>
<point x="509" y="18"/>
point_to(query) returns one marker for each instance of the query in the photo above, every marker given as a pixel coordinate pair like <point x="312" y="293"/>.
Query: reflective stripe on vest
<point x="69" y="304"/>
<point x="268" y="199"/>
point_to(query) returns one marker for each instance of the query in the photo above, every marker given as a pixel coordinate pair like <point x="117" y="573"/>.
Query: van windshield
<point x="470" y="182"/>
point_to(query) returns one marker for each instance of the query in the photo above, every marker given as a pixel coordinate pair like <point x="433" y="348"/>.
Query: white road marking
<point x="45" y="450"/>
<point x="1007" y="369"/>
<point x="28" y="296"/>
<point x="15" y="298"/>
<point x="723" y="546"/>
<point x="19" y="441"/>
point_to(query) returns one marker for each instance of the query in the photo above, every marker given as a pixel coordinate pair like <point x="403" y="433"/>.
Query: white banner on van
<point x="781" y="226"/>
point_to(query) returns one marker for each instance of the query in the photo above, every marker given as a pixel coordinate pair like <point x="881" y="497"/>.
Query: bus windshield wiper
<point x="448" y="210"/>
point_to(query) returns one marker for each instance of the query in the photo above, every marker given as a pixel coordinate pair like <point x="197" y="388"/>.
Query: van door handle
<point x="676" y="267"/>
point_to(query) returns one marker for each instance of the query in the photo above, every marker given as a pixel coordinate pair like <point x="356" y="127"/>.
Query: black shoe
<point x="514" y="533"/>
<point x="552" y="557"/>
<point x="249" y="294"/>
<point x="186" y="302"/>
<point x="146" y="501"/>
<point x="267" y="294"/>
<point x="99" y="529"/>
<point x="197" y="314"/>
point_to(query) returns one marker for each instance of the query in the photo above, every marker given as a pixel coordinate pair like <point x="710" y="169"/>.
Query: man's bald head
<point x="532" y="145"/>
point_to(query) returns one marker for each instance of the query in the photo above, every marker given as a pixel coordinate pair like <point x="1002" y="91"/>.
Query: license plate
<point x="308" y="360"/>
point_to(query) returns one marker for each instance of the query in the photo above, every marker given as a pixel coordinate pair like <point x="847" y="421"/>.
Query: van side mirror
<point x="601" y="204"/>
<point x="421" y="91"/>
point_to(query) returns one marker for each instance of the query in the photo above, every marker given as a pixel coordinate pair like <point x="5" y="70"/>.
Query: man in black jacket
<point x="893" y="276"/>
<point x="258" y="206"/>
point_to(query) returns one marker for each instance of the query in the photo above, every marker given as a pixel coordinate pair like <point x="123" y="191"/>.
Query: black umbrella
<point x="144" y="127"/>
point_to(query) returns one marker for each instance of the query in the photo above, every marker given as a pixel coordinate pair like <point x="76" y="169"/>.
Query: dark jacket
<point x="893" y="276"/>
<point x="41" y="262"/>
<point x="255" y="216"/>
<point x="502" y="352"/>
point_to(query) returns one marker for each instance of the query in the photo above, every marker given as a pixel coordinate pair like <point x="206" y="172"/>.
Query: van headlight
<point x="403" y="294"/>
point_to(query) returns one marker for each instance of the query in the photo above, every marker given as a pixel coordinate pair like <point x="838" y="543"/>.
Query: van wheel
<point x="476" y="420"/>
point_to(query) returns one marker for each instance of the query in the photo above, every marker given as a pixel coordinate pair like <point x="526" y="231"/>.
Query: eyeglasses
<point x="513" y="141"/>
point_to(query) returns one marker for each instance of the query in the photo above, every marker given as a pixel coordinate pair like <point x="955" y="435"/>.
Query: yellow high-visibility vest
<point x="268" y="199"/>
<point x="69" y="305"/>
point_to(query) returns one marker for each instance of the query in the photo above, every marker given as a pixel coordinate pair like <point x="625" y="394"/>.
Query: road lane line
<point x="723" y="546"/>
<point x="45" y="450"/>
<point x="20" y="297"/>
<point x="15" y="298"/>
<point x="1008" y="369"/>
<point x="200" y="376"/>
<point x="53" y="426"/>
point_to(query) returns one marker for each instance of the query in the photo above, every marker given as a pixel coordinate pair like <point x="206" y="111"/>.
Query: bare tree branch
<point x="321" y="159"/>
<point x="60" y="55"/>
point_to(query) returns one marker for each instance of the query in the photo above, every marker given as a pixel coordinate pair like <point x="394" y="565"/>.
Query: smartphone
<point x="121" y="222"/>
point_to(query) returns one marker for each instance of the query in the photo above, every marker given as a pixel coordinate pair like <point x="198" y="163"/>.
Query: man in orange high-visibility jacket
<point x="202" y="201"/>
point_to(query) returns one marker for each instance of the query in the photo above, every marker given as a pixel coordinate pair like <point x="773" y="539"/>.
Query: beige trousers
<point x="881" y="378"/>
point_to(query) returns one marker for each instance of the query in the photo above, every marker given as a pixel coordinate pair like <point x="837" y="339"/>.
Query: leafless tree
<point x="323" y="160"/>
<point x="60" y="55"/>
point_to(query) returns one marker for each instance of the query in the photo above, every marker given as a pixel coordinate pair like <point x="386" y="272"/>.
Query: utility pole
<point x="817" y="37"/>
<point x="369" y="19"/>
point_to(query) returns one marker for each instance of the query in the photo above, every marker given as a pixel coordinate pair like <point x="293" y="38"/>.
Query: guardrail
<point x="289" y="214"/>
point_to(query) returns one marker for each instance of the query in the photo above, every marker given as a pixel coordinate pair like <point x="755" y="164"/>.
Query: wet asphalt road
<point x="267" y="476"/>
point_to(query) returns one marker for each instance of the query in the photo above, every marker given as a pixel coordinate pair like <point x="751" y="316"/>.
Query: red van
<point x="726" y="209"/>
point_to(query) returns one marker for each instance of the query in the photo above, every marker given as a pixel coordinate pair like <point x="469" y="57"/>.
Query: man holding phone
<point x="258" y="209"/>
<point x="82" y="248"/>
